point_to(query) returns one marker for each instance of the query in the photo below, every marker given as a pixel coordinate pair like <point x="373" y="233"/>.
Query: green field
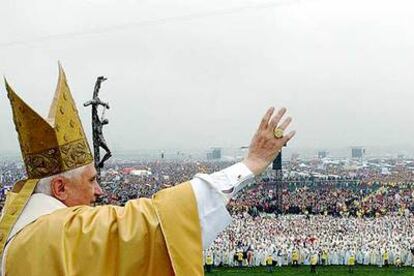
<point x="305" y="270"/>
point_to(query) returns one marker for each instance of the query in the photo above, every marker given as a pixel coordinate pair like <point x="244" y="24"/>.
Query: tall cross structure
<point x="97" y="126"/>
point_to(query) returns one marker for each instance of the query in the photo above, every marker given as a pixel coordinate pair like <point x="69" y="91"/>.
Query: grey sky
<point x="194" y="74"/>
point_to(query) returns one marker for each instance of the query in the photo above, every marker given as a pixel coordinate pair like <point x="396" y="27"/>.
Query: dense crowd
<point x="122" y="184"/>
<point x="331" y="213"/>
<point x="297" y="192"/>
<point x="120" y="180"/>
<point x="251" y="241"/>
<point x="327" y="197"/>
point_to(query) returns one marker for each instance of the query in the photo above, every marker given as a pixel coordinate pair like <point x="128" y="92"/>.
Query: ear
<point x="58" y="188"/>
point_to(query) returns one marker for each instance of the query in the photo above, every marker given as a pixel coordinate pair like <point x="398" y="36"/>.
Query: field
<point x="321" y="271"/>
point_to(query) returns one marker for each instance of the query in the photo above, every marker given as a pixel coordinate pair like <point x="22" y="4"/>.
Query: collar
<point x="37" y="206"/>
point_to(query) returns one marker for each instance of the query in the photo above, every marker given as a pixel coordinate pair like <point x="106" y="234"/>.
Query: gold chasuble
<point x="158" y="236"/>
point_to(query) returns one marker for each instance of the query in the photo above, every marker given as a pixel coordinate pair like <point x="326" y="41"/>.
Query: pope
<point x="48" y="227"/>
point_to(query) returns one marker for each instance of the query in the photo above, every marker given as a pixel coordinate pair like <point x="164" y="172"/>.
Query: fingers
<point x="266" y="118"/>
<point x="276" y="119"/>
<point x="289" y="136"/>
<point x="285" y="123"/>
<point x="269" y="122"/>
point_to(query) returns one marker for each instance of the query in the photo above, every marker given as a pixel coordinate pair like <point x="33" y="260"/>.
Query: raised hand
<point x="264" y="146"/>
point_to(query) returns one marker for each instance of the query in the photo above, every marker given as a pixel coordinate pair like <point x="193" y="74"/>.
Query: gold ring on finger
<point x="278" y="132"/>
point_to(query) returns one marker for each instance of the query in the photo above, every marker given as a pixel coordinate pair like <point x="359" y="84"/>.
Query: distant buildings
<point x="214" y="154"/>
<point x="322" y="154"/>
<point x="358" y="152"/>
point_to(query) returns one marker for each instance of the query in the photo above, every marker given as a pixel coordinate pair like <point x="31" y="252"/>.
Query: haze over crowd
<point x="195" y="75"/>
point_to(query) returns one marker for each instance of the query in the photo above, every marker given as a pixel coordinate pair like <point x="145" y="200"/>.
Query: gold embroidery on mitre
<point x="51" y="146"/>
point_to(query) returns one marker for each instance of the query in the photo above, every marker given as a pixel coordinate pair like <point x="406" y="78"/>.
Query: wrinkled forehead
<point x="89" y="171"/>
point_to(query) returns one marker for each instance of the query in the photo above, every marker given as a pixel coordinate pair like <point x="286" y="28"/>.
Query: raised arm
<point x="214" y="191"/>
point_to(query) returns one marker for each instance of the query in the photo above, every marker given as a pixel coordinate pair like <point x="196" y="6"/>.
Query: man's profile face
<point x="83" y="190"/>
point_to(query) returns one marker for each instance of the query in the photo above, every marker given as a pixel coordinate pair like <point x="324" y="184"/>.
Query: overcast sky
<point x="194" y="74"/>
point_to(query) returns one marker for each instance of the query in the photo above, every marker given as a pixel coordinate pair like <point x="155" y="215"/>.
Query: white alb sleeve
<point x="212" y="193"/>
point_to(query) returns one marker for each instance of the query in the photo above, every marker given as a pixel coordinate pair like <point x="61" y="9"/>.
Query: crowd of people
<point x="289" y="195"/>
<point x="338" y="217"/>
<point x="296" y="239"/>
<point x="123" y="181"/>
<point x="326" y="197"/>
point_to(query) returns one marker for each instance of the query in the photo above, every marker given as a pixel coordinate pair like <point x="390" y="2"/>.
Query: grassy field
<point x="320" y="271"/>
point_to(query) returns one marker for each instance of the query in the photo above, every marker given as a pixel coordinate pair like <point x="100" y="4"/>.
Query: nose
<point x="98" y="190"/>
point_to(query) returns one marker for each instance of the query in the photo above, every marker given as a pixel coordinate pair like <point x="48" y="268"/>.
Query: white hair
<point x="43" y="186"/>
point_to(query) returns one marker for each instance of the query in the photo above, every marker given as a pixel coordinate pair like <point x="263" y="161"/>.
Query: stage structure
<point x="279" y="184"/>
